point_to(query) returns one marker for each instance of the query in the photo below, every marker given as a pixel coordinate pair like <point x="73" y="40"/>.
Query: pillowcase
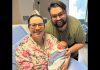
<point x="18" y="33"/>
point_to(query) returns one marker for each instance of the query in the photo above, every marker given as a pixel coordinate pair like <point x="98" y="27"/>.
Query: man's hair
<point x="57" y="4"/>
<point x="34" y="16"/>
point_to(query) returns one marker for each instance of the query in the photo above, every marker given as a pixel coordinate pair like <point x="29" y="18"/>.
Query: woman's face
<point x="36" y="27"/>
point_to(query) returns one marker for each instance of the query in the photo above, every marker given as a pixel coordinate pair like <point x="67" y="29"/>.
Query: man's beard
<point x="60" y="23"/>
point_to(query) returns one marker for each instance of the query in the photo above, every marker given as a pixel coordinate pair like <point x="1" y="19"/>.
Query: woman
<point x="35" y="49"/>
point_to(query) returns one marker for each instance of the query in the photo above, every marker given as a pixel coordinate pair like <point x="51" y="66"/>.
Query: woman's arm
<point x="23" y="61"/>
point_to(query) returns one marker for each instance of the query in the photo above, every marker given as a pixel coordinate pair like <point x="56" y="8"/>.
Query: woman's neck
<point x="39" y="41"/>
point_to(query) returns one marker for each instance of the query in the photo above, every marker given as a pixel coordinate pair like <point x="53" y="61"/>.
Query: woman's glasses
<point x="40" y="25"/>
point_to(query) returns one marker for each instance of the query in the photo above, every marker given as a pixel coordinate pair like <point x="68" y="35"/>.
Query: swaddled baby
<point x="56" y="58"/>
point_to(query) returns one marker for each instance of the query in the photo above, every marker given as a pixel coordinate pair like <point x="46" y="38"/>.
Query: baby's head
<point x="56" y="58"/>
<point x="62" y="45"/>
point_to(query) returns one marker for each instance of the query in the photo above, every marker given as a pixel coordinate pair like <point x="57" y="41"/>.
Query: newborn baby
<point x="56" y="58"/>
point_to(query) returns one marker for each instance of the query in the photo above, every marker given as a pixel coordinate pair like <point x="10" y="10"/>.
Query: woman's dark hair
<point x="57" y="4"/>
<point x="33" y="16"/>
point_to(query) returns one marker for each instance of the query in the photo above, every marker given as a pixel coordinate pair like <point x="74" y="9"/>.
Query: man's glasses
<point x="59" y="14"/>
<point x="40" y="25"/>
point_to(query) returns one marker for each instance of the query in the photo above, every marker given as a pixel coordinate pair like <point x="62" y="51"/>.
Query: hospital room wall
<point x="24" y="8"/>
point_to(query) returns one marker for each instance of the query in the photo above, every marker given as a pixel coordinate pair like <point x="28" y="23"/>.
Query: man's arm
<point x="74" y="48"/>
<point x="80" y="39"/>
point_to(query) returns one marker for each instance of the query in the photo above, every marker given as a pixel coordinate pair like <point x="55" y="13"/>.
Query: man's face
<point x="36" y="27"/>
<point x="58" y="16"/>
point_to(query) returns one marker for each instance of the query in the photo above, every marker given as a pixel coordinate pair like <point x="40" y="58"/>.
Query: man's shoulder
<point x="48" y="26"/>
<point x="72" y="18"/>
<point x="48" y="22"/>
<point x="74" y="24"/>
<point x="73" y="21"/>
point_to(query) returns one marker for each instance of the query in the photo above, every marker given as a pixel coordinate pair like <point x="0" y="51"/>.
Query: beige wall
<point x="21" y="8"/>
<point x="25" y="8"/>
<point x="43" y="7"/>
<point x="16" y="17"/>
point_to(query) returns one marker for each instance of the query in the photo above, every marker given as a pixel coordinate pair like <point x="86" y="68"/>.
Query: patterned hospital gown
<point x="30" y="56"/>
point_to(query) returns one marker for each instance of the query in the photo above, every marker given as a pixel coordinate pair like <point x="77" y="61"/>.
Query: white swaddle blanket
<point x="56" y="59"/>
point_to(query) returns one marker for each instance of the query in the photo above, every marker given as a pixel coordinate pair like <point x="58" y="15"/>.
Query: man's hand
<point x="67" y="53"/>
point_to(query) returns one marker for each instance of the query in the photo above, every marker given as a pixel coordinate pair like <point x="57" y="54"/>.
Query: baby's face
<point x="62" y="45"/>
